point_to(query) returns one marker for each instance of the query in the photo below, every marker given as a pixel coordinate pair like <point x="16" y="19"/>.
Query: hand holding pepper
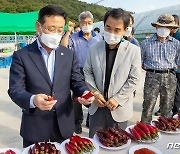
<point x="86" y="95"/>
<point x="87" y="98"/>
<point x="44" y="102"/>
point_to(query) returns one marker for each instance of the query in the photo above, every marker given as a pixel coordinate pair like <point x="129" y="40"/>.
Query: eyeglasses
<point x="52" y="29"/>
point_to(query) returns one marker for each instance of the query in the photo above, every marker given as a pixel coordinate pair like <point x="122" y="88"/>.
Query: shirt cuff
<point x="31" y="105"/>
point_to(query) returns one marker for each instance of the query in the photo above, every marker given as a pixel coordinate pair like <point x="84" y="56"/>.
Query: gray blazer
<point x="125" y="76"/>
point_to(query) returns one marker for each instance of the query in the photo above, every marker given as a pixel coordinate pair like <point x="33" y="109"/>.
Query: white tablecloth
<point x="161" y="144"/>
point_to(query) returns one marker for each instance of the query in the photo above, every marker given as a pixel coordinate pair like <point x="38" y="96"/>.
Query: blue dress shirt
<point x="49" y="60"/>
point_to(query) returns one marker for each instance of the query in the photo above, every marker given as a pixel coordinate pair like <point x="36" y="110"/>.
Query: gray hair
<point x="85" y="14"/>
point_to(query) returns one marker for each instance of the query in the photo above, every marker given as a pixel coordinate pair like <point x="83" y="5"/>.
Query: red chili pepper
<point x="74" y="147"/>
<point x="143" y="127"/>
<point x="165" y="121"/>
<point x="75" y="144"/>
<point x="174" y="122"/>
<point x="116" y="139"/>
<point x="69" y="149"/>
<point x="73" y="141"/>
<point x="136" y="134"/>
<point x="87" y="144"/>
<point x="103" y="139"/>
<point x="127" y="134"/>
<point x="8" y="152"/>
<point x="83" y="147"/>
<point x="159" y="125"/>
<point x="85" y="140"/>
<point x="113" y="130"/>
<point x="50" y="98"/>
<point x="152" y="129"/>
<point x="86" y="96"/>
<point x="108" y="134"/>
<point x="12" y="152"/>
<point x="78" y="138"/>
<point x="142" y="133"/>
<point x="153" y="135"/>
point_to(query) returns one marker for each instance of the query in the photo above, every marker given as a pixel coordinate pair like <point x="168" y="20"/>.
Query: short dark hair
<point x="118" y="14"/>
<point x="51" y="10"/>
<point x="132" y="18"/>
<point x="97" y="29"/>
<point x="76" y="26"/>
<point x="176" y="18"/>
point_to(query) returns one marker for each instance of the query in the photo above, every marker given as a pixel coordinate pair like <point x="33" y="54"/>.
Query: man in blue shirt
<point x="130" y="32"/>
<point x="80" y="43"/>
<point x="160" y="55"/>
<point x="132" y="39"/>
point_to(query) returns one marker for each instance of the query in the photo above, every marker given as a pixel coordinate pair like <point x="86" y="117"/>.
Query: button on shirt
<point x="81" y="45"/>
<point x="160" y="56"/>
<point x="49" y="60"/>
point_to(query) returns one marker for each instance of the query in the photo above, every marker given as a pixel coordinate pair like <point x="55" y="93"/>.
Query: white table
<point x="161" y="144"/>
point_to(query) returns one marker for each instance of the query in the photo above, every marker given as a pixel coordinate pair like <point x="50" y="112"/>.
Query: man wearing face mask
<point x="160" y="56"/>
<point x="129" y="36"/>
<point x="112" y="70"/>
<point x="43" y="69"/>
<point x="80" y="43"/>
<point x="176" y="107"/>
<point x="130" y="32"/>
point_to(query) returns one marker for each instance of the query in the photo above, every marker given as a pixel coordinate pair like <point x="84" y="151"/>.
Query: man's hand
<point x="112" y="104"/>
<point x="100" y="101"/>
<point x="42" y="102"/>
<point x="70" y="26"/>
<point x="86" y="101"/>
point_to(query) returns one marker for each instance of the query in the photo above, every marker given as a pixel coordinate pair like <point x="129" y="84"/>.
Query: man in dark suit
<point x="45" y="68"/>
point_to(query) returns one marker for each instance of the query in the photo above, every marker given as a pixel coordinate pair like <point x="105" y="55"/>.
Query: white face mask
<point x="163" y="31"/>
<point x="112" y="38"/>
<point x="87" y="29"/>
<point x="51" y="40"/>
<point x="128" y="32"/>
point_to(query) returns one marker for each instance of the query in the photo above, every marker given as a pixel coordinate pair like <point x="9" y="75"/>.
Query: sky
<point x="136" y="6"/>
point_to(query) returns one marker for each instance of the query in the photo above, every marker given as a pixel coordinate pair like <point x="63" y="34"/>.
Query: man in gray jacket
<point x="112" y="70"/>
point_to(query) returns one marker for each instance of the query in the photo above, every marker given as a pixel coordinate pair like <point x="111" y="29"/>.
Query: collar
<point x="39" y="44"/>
<point x="154" y="38"/>
<point x="93" y="33"/>
<point x="116" y="47"/>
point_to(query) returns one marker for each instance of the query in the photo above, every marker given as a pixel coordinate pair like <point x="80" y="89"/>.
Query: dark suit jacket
<point x="28" y="76"/>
